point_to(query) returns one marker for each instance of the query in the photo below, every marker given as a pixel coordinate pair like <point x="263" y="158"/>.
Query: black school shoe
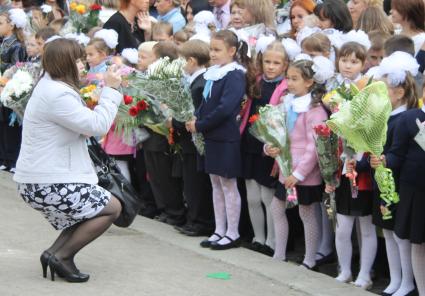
<point x="326" y="259"/>
<point x="232" y="244"/>
<point x="266" y="250"/>
<point x="206" y="243"/>
<point x="194" y="230"/>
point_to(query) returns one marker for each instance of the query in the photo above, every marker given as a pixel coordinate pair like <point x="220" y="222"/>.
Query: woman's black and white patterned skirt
<point x="64" y="205"/>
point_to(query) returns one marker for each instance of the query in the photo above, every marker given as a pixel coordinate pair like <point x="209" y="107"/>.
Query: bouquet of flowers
<point x="19" y="82"/>
<point x="82" y="18"/>
<point x="90" y="95"/>
<point x="140" y="110"/>
<point x="164" y="81"/>
<point x="269" y="127"/>
<point x="327" y="147"/>
<point x="363" y="124"/>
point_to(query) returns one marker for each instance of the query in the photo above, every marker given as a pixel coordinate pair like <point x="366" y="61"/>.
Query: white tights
<point x="124" y="168"/>
<point x="256" y="195"/>
<point x="227" y="208"/>
<point x="309" y="216"/>
<point x="344" y="247"/>
<point x="418" y="263"/>
<point x="281" y="228"/>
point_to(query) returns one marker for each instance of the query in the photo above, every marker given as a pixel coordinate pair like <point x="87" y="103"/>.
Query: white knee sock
<point x="219" y="208"/>
<point x="281" y="228"/>
<point x="369" y="244"/>
<point x="125" y="170"/>
<point x="309" y="217"/>
<point x="256" y="213"/>
<point x="327" y="237"/>
<point x="267" y="197"/>
<point x="394" y="263"/>
<point x="418" y="262"/>
<point x="344" y="247"/>
<point x="407" y="283"/>
<point x="233" y="208"/>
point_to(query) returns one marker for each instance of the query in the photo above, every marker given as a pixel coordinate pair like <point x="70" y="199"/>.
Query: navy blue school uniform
<point x="407" y="156"/>
<point x="256" y="165"/>
<point x="377" y="201"/>
<point x="196" y="185"/>
<point x="363" y="203"/>
<point x="217" y="121"/>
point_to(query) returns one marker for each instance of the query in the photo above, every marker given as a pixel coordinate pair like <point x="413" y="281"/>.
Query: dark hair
<point x="166" y="49"/>
<point x="307" y="73"/>
<point x="399" y="43"/>
<point x="412" y="11"/>
<point x="188" y="4"/>
<point x="60" y="58"/>
<point x="197" y="49"/>
<point x="45" y="33"/>
<point x="230" y="39"/>
<point x="353" y="47"/>
<point x="337" y="12"/>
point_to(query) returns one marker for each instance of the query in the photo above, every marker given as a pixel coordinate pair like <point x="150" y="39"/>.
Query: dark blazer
<point x="216" y="116"/>
<point x="184" y="137"/>
<point x="11" y="52"/>
<point x="405" y="154"/>
<point x="126" y="38"/>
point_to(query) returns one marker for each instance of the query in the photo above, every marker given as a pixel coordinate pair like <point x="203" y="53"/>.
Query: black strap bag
<point x="111" y="179"/>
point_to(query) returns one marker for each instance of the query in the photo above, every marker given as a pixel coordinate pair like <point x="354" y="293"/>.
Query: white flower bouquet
<point x="18" y="88"/>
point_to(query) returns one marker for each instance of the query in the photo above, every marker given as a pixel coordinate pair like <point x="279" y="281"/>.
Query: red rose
<point x="128" y="99"/>
<point x="254" y="118"/>
<point x="133" y="111"/>
<point x="322" y="130"/>
<point x="95" y="7"/>
<point x="142" y="105"/>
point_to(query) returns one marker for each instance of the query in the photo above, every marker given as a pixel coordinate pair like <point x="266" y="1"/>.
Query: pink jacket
<point x="113" y="144"/>
<point x="305" y="164"/>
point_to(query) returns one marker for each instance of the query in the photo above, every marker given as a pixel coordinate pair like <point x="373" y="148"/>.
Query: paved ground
<point x="149" y="258"/>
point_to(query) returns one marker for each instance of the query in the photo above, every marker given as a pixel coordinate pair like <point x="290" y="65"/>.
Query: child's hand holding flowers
<point x="271" y="151"/>
<point x="376" y="161"/>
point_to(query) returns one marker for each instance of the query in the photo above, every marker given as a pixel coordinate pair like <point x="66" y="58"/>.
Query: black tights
<point x="76" y="237"/>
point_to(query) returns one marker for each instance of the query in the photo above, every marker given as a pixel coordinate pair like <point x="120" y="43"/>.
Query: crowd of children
<point x="238" y="59"/>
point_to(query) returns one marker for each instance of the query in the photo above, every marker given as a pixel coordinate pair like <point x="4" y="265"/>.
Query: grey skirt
<point x="65" y="205"/>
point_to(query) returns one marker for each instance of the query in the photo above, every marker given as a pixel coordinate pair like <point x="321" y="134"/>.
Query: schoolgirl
<point x="216" y="120"/>
<point x="304" y="110"/>
<point x="257" y="167"/>
<point x="397" y="71"/>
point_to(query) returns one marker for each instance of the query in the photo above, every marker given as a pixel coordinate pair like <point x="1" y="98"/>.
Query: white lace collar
<point x="217" y="72"/>
<point x="347" y="81"/>
<point x="398" y="110"/>
<point x="298" y="104"/>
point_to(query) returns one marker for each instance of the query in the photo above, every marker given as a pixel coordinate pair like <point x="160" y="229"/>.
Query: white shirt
<point x="195" y="75"/>
<point x="398" y="110"/>
<point x="55" y="128"/>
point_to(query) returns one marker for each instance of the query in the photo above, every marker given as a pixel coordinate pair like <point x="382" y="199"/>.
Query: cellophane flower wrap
<point x="269" y="127"/>
<point x="327" y="147"/>
<point x="19" y="82"/>
<point x="82" y="18"/>
<point x="140" y="110"/>
<point x="90" y="95"/>
<point x="164" y="81"/>
<point x="362" y="122"/>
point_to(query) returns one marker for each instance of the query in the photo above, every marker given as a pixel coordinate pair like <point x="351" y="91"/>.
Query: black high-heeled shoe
<point x="44" y="259"/>
<point x="73" y="277"/>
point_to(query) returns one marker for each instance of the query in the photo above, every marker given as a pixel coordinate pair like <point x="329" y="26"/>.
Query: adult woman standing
<point x="132" y="23"/>
<point x="356" y="8"/>
<point x="54" y="170"/>
<point x="410" y="14"/>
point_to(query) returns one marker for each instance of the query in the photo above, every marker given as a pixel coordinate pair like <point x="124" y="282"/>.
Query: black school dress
<point x="362" y="204"/>
<point x="407" y="156"/>
<point x="255" y="164"/>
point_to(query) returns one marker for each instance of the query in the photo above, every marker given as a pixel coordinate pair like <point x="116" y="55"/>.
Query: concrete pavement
<point x="149" y="258"/>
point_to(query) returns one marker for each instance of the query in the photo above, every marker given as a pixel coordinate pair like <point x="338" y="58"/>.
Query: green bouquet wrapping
<point x="164" y="81"/>
<point x="362" y="122"/>
<point x="269" y="127"/>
